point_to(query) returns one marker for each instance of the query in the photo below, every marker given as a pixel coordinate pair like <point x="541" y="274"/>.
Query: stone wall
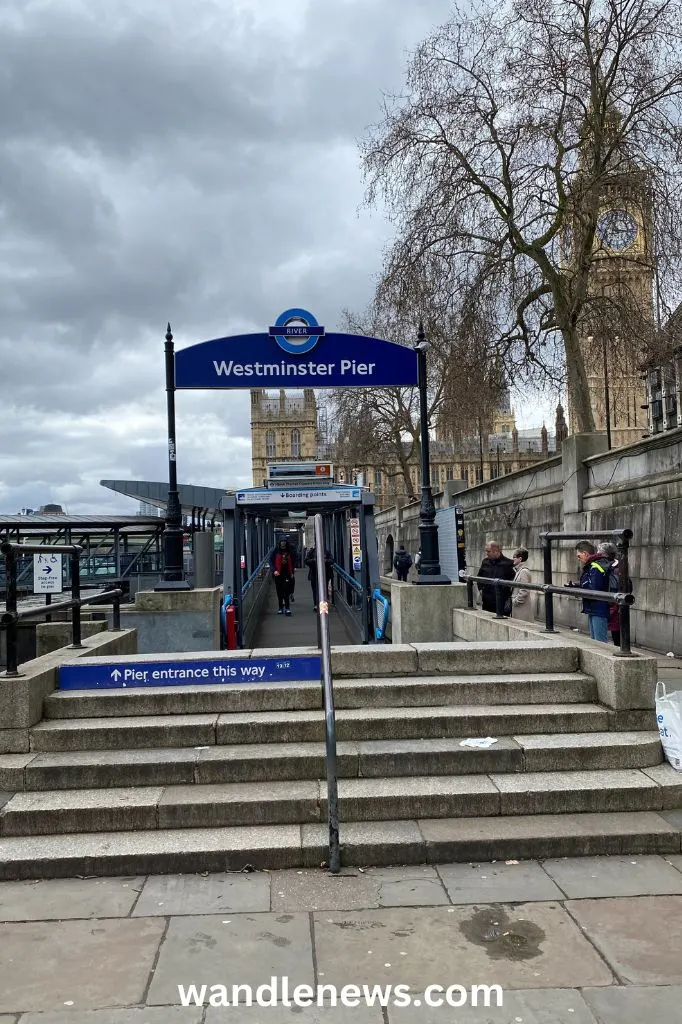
<point x="585" y="488"/>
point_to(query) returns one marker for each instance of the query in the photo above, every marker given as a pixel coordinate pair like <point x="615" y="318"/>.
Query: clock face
<point x="617" y="229"/>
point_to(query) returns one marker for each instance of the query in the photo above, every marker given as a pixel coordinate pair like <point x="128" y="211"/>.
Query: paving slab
<point x="640" y="938"/>
<point x="522" y="882"/>
<point x="631" y="1005"/>
<point x="170" y="895"/>
<point x="417" y="886"/>
<point x="592" y="877"/>
<point x="60" y="899"/>
<point x="129" y="1015"/>
<point x="535" y="1006"/>
<point x="299" y="1015"/>
<point x="90" y="964"/>
<point x="529" y="946"/>
<point x="244" y="949"/>
<point x="316" y="889"/>
<point x="675" y="860"/>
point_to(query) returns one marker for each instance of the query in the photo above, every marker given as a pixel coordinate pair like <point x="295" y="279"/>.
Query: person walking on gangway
<point x="283" y="573"/>
<point x="311" y="562"/>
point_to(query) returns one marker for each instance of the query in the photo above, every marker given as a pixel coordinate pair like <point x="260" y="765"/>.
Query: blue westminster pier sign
<point x="296" y="352"/>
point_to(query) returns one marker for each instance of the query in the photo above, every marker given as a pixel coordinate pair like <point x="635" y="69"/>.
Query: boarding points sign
<point x="295" y="352"/>
<point x="298" y="496"/>
<point x="208" y="672"/>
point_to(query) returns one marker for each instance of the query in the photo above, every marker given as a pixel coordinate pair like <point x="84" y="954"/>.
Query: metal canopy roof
<point x="155" y="493"/>
<point x="53" y="524"/>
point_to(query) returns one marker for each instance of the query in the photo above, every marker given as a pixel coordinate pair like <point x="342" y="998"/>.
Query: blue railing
<point x="254" y="575"/>
<point x="224" y="605"/>
<point x="348" y="578"/>
<point x="380" y="631"/>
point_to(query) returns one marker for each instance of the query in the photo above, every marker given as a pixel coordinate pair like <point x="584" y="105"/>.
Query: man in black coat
<point x="495" y="566"/>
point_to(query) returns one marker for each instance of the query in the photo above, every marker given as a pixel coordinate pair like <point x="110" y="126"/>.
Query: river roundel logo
<point x="296" y="331"/>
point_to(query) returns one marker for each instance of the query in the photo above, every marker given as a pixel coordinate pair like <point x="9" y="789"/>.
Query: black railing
<point x="622" y="538"/>
<point x="328" y="697"/>
<point x="502" y="588"/>
<point x="12" y="617"/>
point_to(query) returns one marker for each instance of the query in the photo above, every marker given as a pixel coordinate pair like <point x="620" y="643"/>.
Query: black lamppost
<point x="607" y="400"/>
<point x="429" y="567"/>
<point x="173" y="572"/>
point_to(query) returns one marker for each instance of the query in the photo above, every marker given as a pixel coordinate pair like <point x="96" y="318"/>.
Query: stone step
<point x="453" y="658"/>
<point x="301" y="802"/>
<point x="308" y="726"/>
<point x="272" y="847"/>
<point x="524" y="688"/>
<point x="290" y="761"/>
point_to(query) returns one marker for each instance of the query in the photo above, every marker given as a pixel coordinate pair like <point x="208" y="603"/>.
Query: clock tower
<point x="619" y="312"/>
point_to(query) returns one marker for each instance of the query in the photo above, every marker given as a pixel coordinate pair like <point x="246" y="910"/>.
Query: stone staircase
<point x="214" y="778"/>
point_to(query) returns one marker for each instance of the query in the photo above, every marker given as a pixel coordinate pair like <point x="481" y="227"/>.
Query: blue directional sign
<point x="128" y="674"/>
<point x="296" y="352"/>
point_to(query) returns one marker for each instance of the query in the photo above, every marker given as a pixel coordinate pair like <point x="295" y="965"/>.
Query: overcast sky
<point x="173" y="160"/>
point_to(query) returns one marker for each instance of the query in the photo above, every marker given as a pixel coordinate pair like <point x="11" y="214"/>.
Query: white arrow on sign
<point x="116" y="674"/>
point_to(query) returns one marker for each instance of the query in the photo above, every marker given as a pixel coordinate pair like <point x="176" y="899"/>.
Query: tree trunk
<point x="578" y="388"/>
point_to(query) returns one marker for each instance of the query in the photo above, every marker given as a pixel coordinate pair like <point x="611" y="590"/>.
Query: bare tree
<point x="381" y="426"/>
<point x="495" y="164"/>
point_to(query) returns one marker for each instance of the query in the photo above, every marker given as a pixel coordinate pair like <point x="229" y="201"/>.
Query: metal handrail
<point x="623" y="600"/>
<point x="252" y="578"/>
<point x="347" y="577"/>
<point x="380" y="631"/>
<point x="328" y="696"/>
<point x="623" y="536"/>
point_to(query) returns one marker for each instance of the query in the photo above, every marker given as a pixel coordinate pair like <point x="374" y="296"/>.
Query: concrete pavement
<point x="570" y="941"/>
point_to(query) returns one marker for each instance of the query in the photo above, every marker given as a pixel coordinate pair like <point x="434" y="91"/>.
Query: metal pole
<point x="48" y="601"/>
<point x="328" y="691"/>
<point x="173" y="573"/>
<point x="117" y="614"/>
<point x="470" y="593"/>
<point x="624" y="609"/>
<point x="429" y="567"/>
<point x="76" y="596"/>
<point x="607" y="410"/>
<point x="547" y="574"/>
<point x="12" y="633"/>
<point x="500" y="597"/>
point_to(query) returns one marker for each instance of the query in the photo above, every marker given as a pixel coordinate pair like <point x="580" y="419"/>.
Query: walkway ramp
<point x="300" y="628"/>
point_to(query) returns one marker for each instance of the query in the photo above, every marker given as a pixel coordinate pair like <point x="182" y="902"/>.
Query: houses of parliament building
<point x="289" y="426"/>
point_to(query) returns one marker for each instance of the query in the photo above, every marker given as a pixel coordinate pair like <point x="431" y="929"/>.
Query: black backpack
<point x="403" y="560"/>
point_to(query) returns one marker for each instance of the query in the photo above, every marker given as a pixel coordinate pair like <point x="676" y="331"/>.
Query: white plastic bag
<point x="669" y="721"/>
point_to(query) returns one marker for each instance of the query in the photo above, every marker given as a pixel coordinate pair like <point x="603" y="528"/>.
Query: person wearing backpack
<point x="402" y="563"/>
<point x="283" y="573"/>
<point x="610" y="551"/>
<point x="597" y="575"/>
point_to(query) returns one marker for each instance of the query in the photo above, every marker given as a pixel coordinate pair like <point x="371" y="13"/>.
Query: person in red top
<point x="284" y="574"/>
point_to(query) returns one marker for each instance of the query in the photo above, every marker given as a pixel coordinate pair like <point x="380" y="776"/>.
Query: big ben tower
<point x="619" y="312"/>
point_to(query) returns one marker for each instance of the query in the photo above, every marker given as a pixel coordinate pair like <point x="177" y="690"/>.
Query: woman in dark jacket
<point x="283" y="573"/>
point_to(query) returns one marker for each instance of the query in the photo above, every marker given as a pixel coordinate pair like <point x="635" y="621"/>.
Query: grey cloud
<point x="172" y="161"/>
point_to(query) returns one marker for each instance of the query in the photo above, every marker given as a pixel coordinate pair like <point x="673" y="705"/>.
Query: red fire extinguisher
<point x="231" y="627"/>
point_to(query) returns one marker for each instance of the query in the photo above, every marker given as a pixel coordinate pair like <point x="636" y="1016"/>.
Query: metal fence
<point x="11" y="617"/>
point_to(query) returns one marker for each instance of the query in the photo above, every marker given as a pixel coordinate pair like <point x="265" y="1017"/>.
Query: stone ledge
<point x="21" y="698"/>
<point x="623" y="683"/>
